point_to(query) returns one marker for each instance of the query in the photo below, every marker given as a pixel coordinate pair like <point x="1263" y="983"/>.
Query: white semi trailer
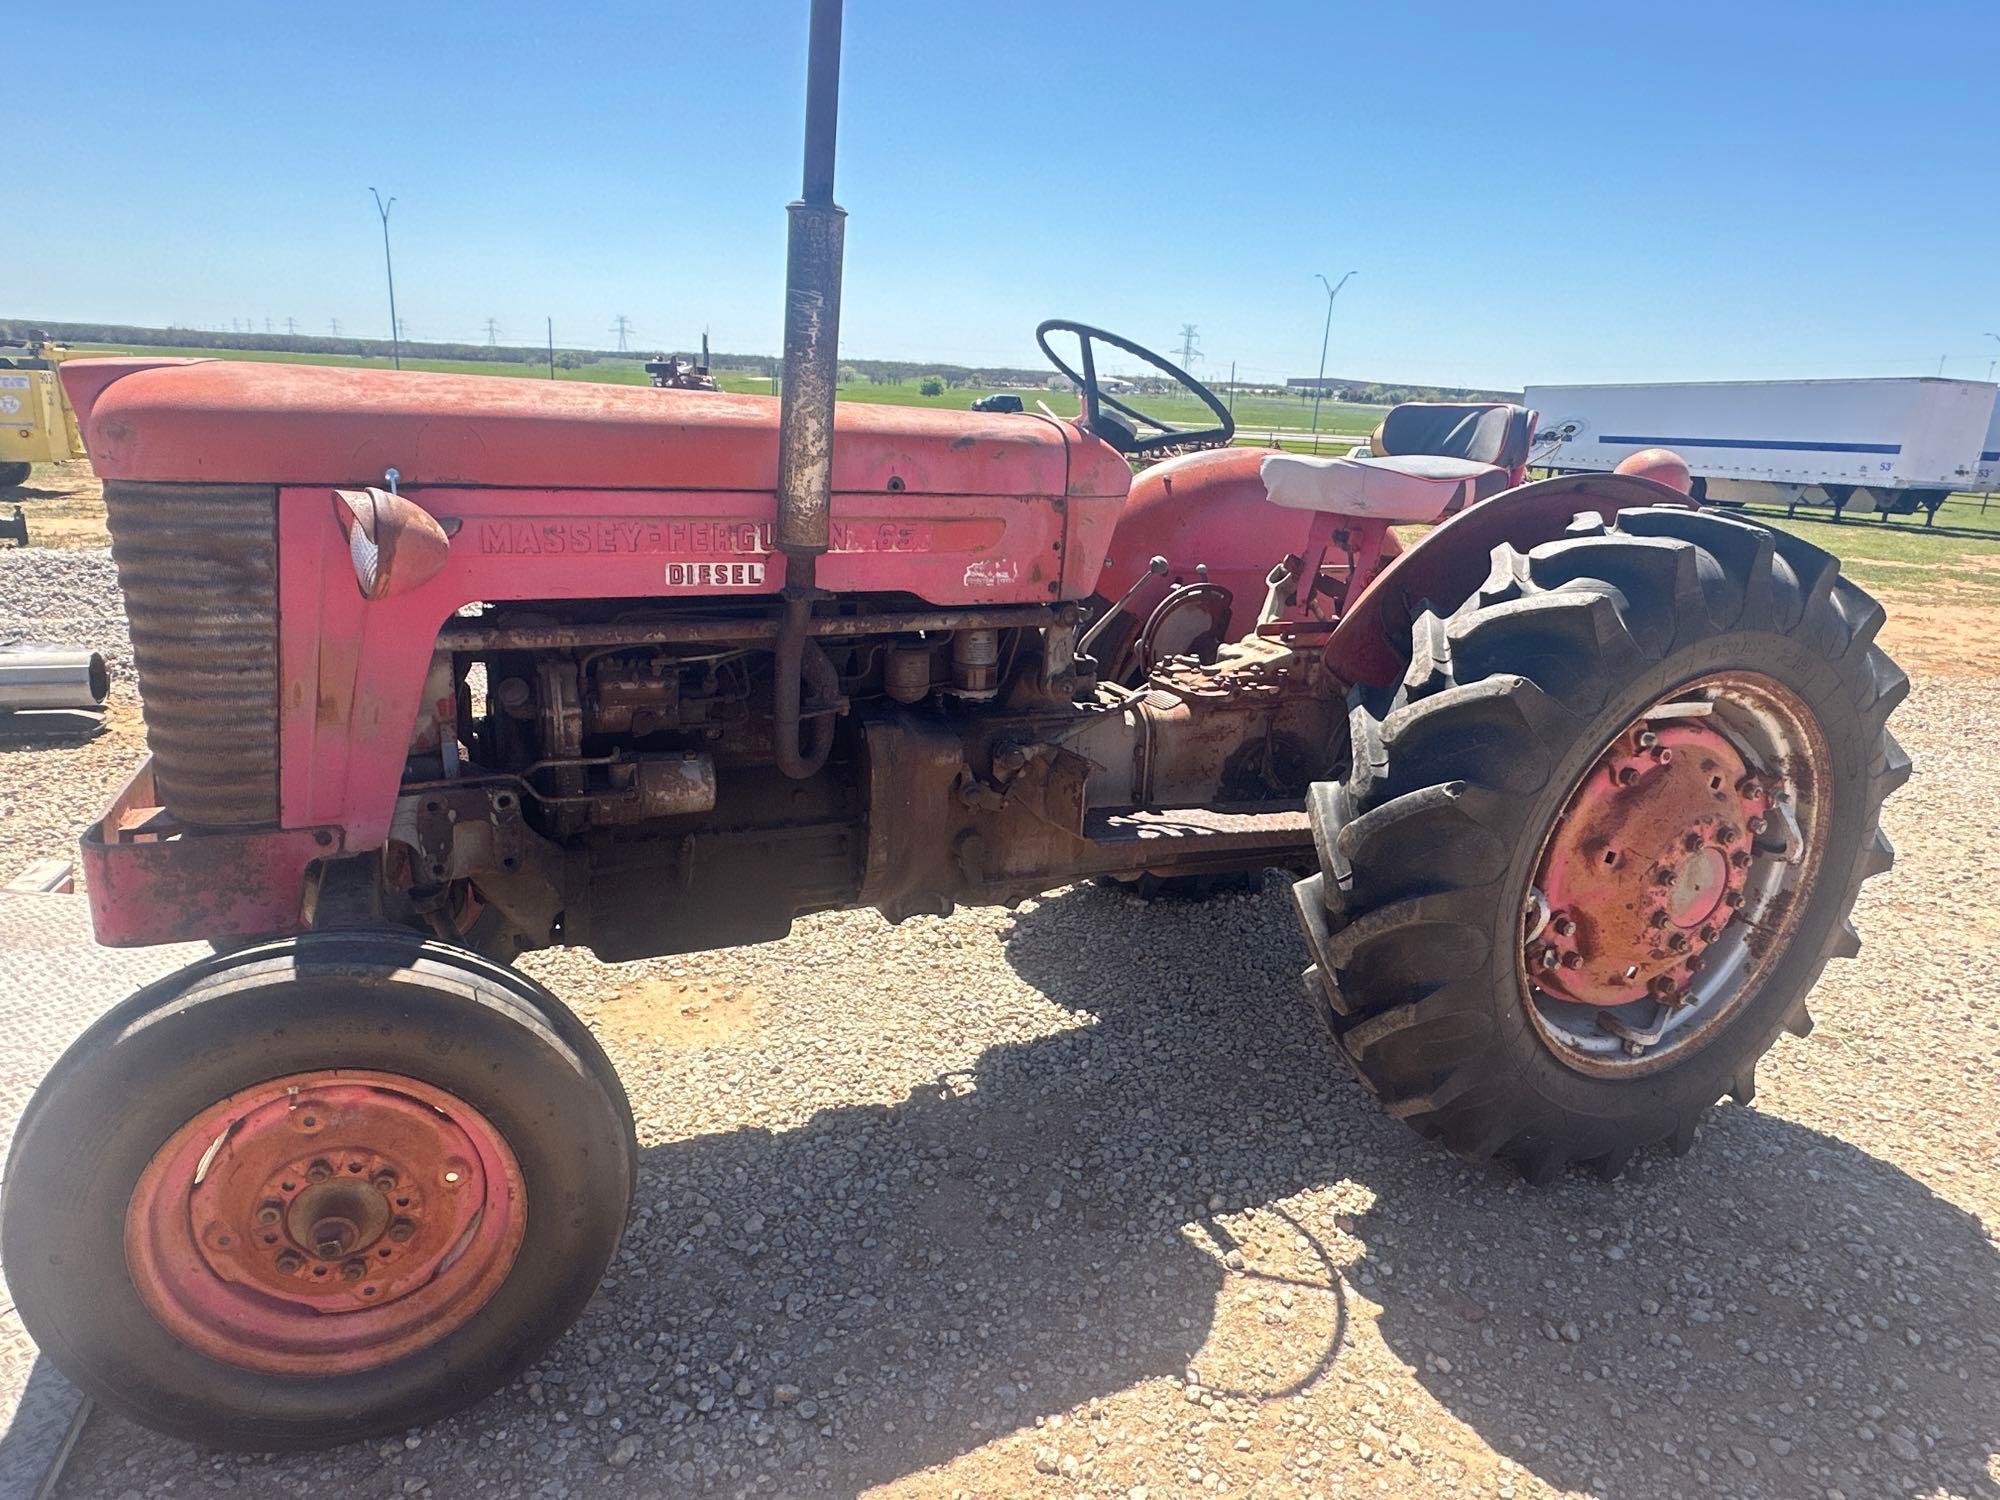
<point x="1987" y="474"/>
<point x="1893" y="446"/>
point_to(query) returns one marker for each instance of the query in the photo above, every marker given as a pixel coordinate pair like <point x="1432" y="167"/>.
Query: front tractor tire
<point x="1595" y="849"/>
<point x="316" y="1190"/>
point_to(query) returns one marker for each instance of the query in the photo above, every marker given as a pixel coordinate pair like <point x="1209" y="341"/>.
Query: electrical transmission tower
<point x="291" y="328"/>
<point x="492" y="332"/>
<point x="334" y="324"/>
<point x="1190" y="345"/>
<point x="622" y="327"/>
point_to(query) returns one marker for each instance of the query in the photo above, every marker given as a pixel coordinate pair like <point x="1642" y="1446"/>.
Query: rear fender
<point x="1371" y="645"/>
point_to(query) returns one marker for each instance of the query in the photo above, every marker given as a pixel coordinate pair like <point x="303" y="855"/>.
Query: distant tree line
<point x="302" y="343"/>
<point x="852" y="371"/>
<point x="876" y="371"/>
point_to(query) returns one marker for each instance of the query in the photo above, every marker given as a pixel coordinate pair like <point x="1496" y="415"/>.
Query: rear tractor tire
<point x="315" y="1190"/>
<point x="13" y="476"/>
<point x="1594" y="850"/>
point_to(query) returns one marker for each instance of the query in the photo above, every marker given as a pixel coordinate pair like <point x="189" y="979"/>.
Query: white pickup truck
<point x="1892" y="445"/>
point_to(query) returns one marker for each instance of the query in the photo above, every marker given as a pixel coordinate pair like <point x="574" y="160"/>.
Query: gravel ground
<point x="1071" y="1200"/>
<point x="58" y="769"/>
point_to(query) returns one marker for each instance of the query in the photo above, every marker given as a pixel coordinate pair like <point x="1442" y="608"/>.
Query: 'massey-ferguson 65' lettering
<point x="543" y="537"/>
<point x="546" y="536"/>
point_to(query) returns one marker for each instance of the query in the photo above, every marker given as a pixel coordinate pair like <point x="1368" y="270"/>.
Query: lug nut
<point x="1692" y="842"/>
<point x="1708" y="934"/>
<point x="1696" y="963"/>
<point x="1663" y="875"/>
<point x="1758" y="825"/>
<point x="1663" y="755"/>
<point x="1657" y="917"/>
<point x="1648" y="739"/>
<point x="1550" y="958"/>
<point x="289" y="1261"/>
<point x="1572" y="960"/>
<point x="1740" y="859"/>
<point x="270" y="1213"/>
<point x="319" y="1171"/>
<point x="401" y="1230"/>
<point x="1732" y="898"/>
<point x="1726" y="834"/>
<point x="385" y="1182"/>
<point x="1626" y="776"/>
<point x="1678" y="942"/>
<point x="1563" y="926"/>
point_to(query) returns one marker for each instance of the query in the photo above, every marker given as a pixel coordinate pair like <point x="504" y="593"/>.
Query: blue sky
<point x="1550" y="192"/>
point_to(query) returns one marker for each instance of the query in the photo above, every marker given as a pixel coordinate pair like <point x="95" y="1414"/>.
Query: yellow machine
<point x="36" y="423"/>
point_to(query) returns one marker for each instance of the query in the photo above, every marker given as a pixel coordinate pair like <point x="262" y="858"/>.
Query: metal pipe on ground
<point x="813" y="245"/>
<point x="51" y="677"/>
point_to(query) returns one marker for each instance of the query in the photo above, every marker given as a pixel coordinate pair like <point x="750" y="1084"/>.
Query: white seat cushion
<point x="1397" y="490"/>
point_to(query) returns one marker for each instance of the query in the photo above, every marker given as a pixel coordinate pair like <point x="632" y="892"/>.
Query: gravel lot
<point x="57" y="770"/>
<point x="1072" y="1200"/>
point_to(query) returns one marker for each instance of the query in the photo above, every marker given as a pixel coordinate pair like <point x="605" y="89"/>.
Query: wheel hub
<point x="1646" y="865"/>
<point x="325" y="1223"/>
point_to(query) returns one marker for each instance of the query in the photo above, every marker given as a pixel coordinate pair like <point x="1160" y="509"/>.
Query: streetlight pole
<point x="395" y="328"/>
<point x="1319" y="388"/>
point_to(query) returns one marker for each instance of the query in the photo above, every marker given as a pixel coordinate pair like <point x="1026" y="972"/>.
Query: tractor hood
<point x="246" y="422"/>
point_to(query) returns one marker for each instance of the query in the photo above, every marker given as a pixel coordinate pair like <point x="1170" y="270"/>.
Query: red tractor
<point x="436" y="670"/>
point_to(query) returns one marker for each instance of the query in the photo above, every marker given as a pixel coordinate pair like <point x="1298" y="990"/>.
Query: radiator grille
<point x="198" y="565"/>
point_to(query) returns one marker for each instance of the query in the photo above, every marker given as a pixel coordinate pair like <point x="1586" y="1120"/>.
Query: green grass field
<point x="1957" y="560"/>
<point x="1256" y="416"/>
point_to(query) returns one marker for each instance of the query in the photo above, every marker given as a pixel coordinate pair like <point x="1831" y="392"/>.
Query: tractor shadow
<point x="1779" y="1295"/>
<point x="1185" y="1180"/>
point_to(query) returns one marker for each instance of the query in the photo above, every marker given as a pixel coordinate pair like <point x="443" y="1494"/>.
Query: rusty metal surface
<point x="1646" y="864"/>
<point x="199" y="570"/>
<point x="503" y="637"/>
<point x="325" y="1223"/>
<point x="150" y="880"/>
<point x="59" y="981"/>
<point x="812" y="337"/>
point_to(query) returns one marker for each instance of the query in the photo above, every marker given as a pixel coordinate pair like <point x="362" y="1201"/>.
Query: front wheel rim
<point x="325" y="1223"/>
<point x="1676" y="875"/>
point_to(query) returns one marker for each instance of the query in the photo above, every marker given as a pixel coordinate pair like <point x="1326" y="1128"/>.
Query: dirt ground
<point x="64" y="505"/>
<point x="1072" y="1200"/>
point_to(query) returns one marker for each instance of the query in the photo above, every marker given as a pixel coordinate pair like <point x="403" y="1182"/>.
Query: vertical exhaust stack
<point x="805" y="422"/>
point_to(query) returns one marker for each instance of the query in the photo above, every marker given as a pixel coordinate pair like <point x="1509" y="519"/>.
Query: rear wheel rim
<point x="1676" y="875"/>
<point x="325" y="1223"/>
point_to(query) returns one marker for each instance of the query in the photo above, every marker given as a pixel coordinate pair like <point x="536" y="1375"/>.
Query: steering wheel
<point x="1113" y="420"/>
